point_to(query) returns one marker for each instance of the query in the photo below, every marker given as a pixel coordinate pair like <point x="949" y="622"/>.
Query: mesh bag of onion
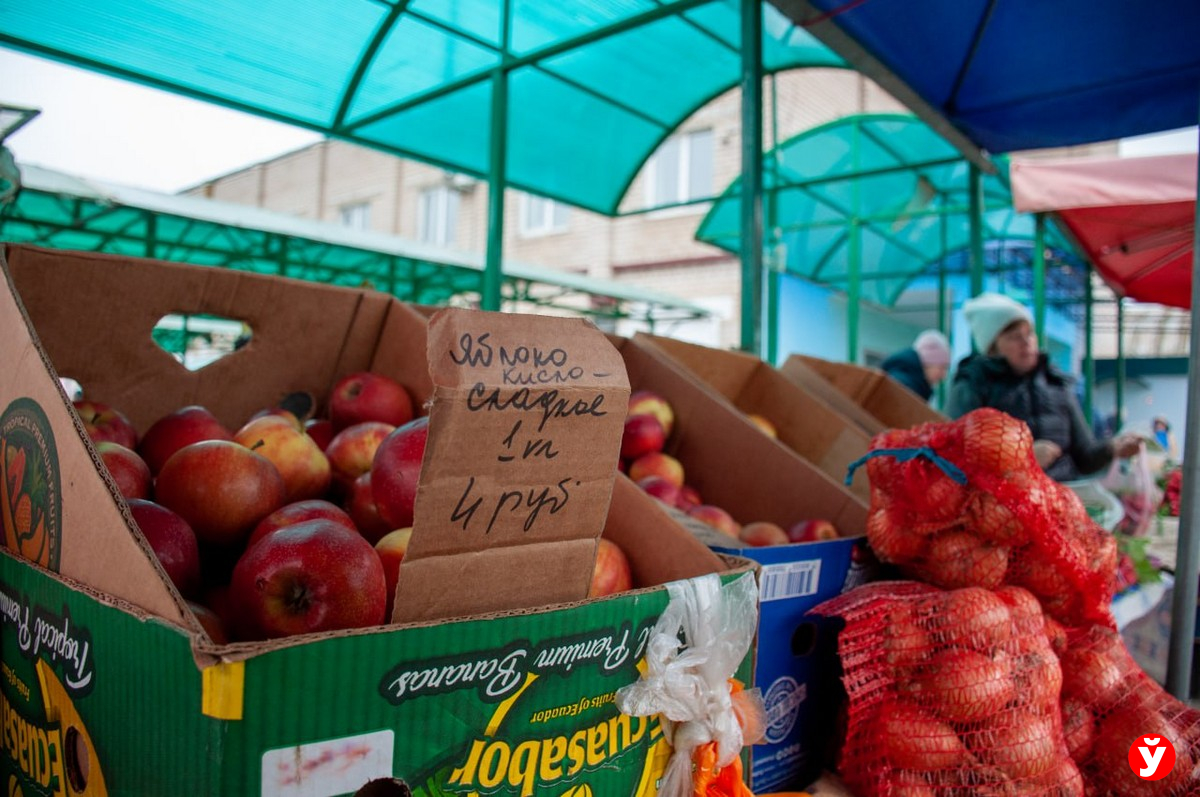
<point x="950" y="693"/>
<point x="965" y="504"/>
<point x="1128" y="736"/>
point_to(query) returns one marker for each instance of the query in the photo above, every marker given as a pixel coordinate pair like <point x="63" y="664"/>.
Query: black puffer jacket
<point x="905" y="367"/>
<point x="1044" y="399"/>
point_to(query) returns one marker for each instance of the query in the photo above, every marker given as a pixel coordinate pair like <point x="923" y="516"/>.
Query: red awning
<point x="1135" y="217"/>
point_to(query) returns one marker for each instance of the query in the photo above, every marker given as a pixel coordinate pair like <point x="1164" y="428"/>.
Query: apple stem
<point x="259" y="444"/>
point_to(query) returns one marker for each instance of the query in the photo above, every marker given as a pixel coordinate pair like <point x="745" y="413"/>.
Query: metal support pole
<point x="975" y="218"/>
<point x="1187" y="557"/>
<point x="1120" y="363"/>
<point x="498" y="173"/>
<point x="943" y="320"/>
<point x="1089" y="359"/>
<point x="854" y="291"/>
<point x="1039" y="276"/>
<point x="752" y="177"/>
<point x="775" y="267"/>
<point x="151" y="235"/>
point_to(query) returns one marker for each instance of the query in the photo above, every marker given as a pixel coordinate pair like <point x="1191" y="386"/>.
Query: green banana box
<point x="110" y="686"/>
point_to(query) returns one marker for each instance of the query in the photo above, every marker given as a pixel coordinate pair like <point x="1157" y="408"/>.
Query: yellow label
<point x="222" y="692"/>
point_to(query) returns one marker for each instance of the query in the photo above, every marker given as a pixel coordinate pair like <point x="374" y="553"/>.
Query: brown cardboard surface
<point x="330" y="331"/>
<point x="886" y="399"/>
<point x="96" y="545"/>
<point x="800" y="373"/>
<point x="524" y="434"/>
<point x="803" y="422"/>
<point x="731" y="462"/>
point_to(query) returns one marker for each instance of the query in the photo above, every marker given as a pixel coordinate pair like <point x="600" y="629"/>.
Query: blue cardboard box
<point x="796" y="666"/>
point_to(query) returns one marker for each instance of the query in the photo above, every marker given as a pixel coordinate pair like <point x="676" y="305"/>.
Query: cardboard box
<point x="729" y="460"/>
<point x="107" y="677"/>
<point x="804" y="423"/>
<point x="796" y="666"/>
<point x="890" y="403"/>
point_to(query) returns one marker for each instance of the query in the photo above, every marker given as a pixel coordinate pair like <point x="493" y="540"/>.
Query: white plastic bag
<point x="1131" y="481"/>
<point x="695" y="648"/>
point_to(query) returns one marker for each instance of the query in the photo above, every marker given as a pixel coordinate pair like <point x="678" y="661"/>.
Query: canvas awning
<point x="1135" y="217"/>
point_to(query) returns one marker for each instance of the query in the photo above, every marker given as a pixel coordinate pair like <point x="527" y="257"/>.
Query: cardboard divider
<point x="729" y="460"/>
<point x="810" y="381"/>
<point x="803" y="422"/>
<point x="889" y="402"/>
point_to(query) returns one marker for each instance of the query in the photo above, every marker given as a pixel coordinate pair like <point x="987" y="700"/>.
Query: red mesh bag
<point x="964" y="503"/>
<point x="1109" y="706"/>
<point x="950" y="694"/>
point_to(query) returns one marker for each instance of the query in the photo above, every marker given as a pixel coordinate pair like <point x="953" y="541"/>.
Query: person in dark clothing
<point x="923" y="366"/>
<point x="1013" y="376"/>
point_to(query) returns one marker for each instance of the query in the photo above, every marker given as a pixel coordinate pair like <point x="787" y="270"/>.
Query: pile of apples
<point x="648" y="426"/>
<point x="283" y="526"/>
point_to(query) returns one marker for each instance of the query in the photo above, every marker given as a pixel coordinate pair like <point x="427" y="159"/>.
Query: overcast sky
<point x="109" y="129"/>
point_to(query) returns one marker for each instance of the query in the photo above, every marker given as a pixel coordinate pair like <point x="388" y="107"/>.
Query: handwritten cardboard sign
<point x="524" y="435"/>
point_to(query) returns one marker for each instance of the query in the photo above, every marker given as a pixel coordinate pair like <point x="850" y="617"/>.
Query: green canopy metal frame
<point x="870" y="202"/>
<point x="57" y="210"/>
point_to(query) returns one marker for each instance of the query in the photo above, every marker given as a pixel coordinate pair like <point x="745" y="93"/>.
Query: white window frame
<point x="355" y="215"/>
<point x="550" y="217"/>
<point x="684" y="189"/>
<point x="445" y="230"/>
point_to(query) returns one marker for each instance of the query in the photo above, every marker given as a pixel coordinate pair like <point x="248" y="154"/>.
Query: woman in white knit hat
<point x="1009" y="373"/>
<point x="921" y="367"/>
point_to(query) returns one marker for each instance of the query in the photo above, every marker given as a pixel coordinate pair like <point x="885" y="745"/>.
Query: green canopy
<point x="58" y="210"/>
<point x="882" y="193"/>
<point x="593" y="85"/>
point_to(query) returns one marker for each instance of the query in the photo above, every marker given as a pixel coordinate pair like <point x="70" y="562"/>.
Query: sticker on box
<point x="329" y="768"/>
<point x="790" y="580"/>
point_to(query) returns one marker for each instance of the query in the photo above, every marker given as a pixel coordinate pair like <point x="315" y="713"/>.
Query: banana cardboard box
<point x="497" y="675"/>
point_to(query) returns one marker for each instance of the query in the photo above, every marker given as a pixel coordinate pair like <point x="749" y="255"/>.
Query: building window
<point x="541" y="216"/>
<point x="681" y="169"/>
<point x="437" y="216"/>
<point x="356" y="216"/>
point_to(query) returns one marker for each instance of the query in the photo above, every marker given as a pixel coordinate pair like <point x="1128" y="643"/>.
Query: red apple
<point x="105" y="423"/>
<point x="643" y="434"/>
<point x="218" y="599"/>
<point x="173" y="542"/>
<point x="305" y="469"/>
<point x="391" y="549"/>
<point x="311" y="577"/>
<point x="320" y="430"/>
<point x="364" y="396"/>
<point x="352" y="450"/>
<point x="210" y="621"/>
<point x="646" y="402"/>
<point x="689" y="497"/>
<point x="716" y="517"/>
<point x="762" y="423"/>
<point x="220" y="488"/>
<point x="128" y="470"/>
<point x="817" y="530"/>
<point x="761" y="533"/>
<point x="278" y="412"/>
<point x="612" y="573"/>
<point x="174" y="431"/>
<point x="660" y="488"/>
<point x="657" y="464"/>
<point x="360" y="503"/>
<point x="299" y="512"/>
<point x="396" y="471"/>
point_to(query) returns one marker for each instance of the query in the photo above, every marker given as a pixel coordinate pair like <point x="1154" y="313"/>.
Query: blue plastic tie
<point x="904" y="455"/>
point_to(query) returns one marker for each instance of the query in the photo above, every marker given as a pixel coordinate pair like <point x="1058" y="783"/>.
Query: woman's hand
<point x="1046" y="453"/>
<point x="1126" y="445"/>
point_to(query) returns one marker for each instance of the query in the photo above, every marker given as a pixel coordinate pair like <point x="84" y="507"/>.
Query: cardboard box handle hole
<point x="384" y="787"/>
<point x="804" y="640"/>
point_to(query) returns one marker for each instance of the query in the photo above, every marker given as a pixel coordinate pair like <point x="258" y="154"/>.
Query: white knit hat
<point x="988" y="314"/>
<point x="932" y="347"/>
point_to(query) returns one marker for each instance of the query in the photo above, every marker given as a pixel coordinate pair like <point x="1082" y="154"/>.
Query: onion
<point x="964" y="686"/>
<point x="914" y="740"/>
